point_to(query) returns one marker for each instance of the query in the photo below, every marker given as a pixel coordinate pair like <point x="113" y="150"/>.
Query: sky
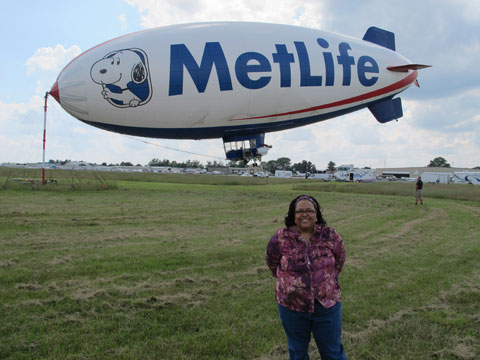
<point x="441" y="118"/>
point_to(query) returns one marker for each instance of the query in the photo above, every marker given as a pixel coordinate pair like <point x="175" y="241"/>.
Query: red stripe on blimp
<point x="398" y="85"/>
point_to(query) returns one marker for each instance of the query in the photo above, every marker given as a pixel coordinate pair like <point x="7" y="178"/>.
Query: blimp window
<point x="235" y="145"/>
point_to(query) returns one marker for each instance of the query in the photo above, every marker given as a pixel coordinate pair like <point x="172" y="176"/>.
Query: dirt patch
<point x="435" y="214"/>
<point x="376" y="325"/>
<point x="446" y="302"/>
<point x="404" y="236"/>
<point x="461" y="350"/>
<point x="87" y="294"/>
<point x="229" y="243"/>
<point x="355" y="262"/>
<point x="185" y="299"/>
<point x="464" y="351"/>
<point x="31" y="287"/>
<point x="60" y="260"/>
<point x="9" y="263"/>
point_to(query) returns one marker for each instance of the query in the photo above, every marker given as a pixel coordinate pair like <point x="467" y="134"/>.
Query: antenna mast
<point x="44" y="137"/>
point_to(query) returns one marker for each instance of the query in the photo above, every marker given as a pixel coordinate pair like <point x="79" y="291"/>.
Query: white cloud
<point x="454" y="114"/>
<point x="51" y="59"/>
<point x="123" y="21"/>
<point x="47" y="62"/>
<point x="21" y="130"/>
<point x="470" y="9"/>
<point x="9" y="112"/>
<point x="166" y="12"/>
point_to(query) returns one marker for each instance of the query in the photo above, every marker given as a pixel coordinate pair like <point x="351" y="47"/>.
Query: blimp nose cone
<point x="54" y="92"/>
<point x="73" y="98"/>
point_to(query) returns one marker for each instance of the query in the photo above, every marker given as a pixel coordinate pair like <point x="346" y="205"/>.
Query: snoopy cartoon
<point x="124" y="76"/>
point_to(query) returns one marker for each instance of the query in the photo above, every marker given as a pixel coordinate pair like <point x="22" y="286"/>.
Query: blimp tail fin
<point x="387" y="110"/>
<point x="380" y="37"/>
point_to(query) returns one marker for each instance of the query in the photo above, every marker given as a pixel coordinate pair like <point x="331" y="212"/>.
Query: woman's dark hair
<point x="290" y="218"/>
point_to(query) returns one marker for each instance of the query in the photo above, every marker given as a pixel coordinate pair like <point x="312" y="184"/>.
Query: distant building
<point x="413" y="172"/>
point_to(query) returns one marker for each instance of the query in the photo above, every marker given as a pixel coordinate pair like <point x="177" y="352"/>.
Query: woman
<point x="306" y="257"/>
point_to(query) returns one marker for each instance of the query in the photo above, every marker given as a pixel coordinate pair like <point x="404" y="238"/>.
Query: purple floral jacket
<point x="306" y="272"/>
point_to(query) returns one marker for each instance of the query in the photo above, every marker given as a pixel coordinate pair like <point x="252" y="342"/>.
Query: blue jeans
<point x="326" y="326"/>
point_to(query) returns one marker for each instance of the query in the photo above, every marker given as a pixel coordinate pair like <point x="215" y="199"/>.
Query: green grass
<point x="171" y="269"/>
<point x="439" y="191"/>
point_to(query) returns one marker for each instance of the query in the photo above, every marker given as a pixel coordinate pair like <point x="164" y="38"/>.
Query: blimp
<point x="233" y="80"/>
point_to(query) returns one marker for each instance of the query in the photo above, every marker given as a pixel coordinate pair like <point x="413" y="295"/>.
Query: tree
<point x="233" y="164"/>
<point x="283" y="163"/>
<point x="331" y="167"/>
<point x="193" y="164"/>
<point x="304" y="167"/>
<point x="215" y="163"/>
<point x="154" y="162"/>
<point x="439" y="162"/>
<point x="270" y="165"/>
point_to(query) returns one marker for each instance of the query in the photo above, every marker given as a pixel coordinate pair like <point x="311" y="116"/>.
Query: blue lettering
<point x="180" y="56"/>
<point x="328" y="58"/>
<point x="284" y="59"/>
<point x="242" y="68"/>
<point x="363" y="68"/>
<point x="305" y="78"/>
<point x="346" y="61"/>
<point x="255" y="62"/>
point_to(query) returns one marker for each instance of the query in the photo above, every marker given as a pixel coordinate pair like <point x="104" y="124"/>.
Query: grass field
<point x="173" y="268"/>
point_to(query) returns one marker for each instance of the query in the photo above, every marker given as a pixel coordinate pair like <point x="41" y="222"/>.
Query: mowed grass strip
<point x="176" y="271"/>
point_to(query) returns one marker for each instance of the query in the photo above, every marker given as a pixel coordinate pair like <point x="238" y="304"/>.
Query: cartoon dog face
<point x="124" y="76"/>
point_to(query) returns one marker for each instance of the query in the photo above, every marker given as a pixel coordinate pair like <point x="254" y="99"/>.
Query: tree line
<point x="282" y="163"/>
<point x="285" y="163"/>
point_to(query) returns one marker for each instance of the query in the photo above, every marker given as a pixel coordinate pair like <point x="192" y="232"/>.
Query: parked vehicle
<point x="349" y="173"/>
<point x="326" y="177"/>
<point x="467" y="177"/>
<point x="437" y="177"/>
<point x="283" y="173"/>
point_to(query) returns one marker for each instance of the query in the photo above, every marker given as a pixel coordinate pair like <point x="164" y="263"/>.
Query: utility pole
<point x="44" y="138"/>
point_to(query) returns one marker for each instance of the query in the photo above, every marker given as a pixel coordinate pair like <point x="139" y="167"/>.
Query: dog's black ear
<point x="139" y="73"/>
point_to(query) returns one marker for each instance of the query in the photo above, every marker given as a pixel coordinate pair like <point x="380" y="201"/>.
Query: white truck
<point x="355" y="175"/>
<point x="437" y="177"/>
<point x="467" y="177"/>
<point x="325" y="177"/>
<point x="283" y="173"/>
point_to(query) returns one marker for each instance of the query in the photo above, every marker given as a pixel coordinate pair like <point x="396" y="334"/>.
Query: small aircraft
<point x="234" y="80"/>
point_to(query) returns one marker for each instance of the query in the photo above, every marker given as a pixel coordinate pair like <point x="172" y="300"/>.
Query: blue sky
<point x="442" y="118"/>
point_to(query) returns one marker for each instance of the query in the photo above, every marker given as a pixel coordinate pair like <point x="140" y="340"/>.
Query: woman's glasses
<point x="304" y="211"/>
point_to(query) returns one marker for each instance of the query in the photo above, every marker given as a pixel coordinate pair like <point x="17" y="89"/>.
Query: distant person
<point x="418" y="191"/>
<point x="306" y="257"/>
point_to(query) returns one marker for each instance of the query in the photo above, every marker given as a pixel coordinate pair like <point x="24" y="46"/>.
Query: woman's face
<point x="305" y="215"/>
